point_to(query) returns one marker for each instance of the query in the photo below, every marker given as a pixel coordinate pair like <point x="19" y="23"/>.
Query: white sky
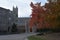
<point x="24" y="9"/>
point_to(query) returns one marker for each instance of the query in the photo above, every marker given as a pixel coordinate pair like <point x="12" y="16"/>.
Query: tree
<point x="53" y="11"/>
<point x="38" y="15"/>
<point x="47" y="16"/>
<point x="14" y="28"/>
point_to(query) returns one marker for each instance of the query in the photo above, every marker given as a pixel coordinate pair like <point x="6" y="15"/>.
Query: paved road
<point x="16" y="36"/>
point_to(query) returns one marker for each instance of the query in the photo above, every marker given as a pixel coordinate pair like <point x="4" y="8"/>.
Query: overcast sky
<point x="24" y="9"/>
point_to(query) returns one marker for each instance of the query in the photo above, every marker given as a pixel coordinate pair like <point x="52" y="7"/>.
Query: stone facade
<point x="7" y="18"/>
<point x="23" y="24"/>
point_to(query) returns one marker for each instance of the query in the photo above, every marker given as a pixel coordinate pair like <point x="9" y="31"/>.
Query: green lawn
<point x="36" y="38"/>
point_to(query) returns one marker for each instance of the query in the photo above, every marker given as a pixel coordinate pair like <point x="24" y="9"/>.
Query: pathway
<point x="16" y="36"/>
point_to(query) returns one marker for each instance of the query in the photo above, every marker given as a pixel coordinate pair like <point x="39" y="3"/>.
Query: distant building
<point x="7" y="18"/>
<point x="23" y="24"/>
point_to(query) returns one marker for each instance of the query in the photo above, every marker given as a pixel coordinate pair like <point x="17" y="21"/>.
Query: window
<point x="9" y="11"/>
<point x="9" y="18"/>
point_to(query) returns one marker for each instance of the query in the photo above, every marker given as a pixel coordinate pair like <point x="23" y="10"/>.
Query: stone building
<point x="7" y="18"/>
<point x="23" y="24"/>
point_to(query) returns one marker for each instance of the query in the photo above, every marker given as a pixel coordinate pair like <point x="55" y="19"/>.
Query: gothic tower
<point x="15" y="10"/>
<point x="15" y="14"/>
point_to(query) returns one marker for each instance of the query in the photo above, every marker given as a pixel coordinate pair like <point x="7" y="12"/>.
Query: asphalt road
<point x="16" y="36"/>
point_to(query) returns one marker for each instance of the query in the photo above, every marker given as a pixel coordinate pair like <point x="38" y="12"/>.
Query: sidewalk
<point x="22" y="36"/>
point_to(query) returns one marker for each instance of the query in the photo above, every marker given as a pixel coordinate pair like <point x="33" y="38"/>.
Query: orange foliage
<point x="38" y="14"/>
<point x="45" y="17"/>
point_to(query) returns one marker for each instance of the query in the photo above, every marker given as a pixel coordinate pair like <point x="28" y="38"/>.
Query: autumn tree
<point x="47" y="16"/>
<point x="53" y="14"/>
<point x="37" y="16"/>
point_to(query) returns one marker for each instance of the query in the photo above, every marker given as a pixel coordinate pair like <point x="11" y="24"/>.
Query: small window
<point x="9" y="18"/>
<point x="10" y="12"/>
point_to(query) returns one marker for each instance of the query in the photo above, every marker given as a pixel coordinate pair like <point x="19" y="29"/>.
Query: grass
<point x="49" y="36"/>
<point x="35" y="38"/>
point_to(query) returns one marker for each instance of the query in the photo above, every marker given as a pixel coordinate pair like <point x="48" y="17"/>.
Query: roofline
<point x="24" y="17"/>
<point x="5" y="9"/>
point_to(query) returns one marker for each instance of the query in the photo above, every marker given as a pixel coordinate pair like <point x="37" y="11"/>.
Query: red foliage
<point x="38" y="14"/>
